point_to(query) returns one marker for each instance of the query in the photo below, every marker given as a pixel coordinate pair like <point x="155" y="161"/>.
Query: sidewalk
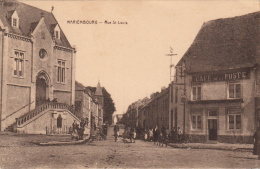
<point x="10" y="139"/>
<point x="214" y="146"/>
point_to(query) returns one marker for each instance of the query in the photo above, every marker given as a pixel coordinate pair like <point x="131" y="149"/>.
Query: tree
<point x="109" y="106"/>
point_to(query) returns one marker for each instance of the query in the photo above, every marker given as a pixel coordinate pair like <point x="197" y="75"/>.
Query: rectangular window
<point x="234" y="91"/>
<point x="234" y="119"/>
<point x="61" y="71"/>
<point x="196" y="93"/>
<point x="196" y="122"/>
<point x="18" y="64"/>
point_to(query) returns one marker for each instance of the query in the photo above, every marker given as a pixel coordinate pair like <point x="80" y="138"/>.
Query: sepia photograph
<point x="129" y="84"/>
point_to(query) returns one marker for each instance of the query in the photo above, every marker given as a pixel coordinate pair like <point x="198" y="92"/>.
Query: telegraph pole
<point x="171" y="65"/>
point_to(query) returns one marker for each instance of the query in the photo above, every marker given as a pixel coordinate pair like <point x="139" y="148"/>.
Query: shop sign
<point x="225" y="76"/>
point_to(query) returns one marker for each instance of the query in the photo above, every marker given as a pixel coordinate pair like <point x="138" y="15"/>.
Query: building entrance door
<point x="40" y="91"/>
<point x="213" y="129"/>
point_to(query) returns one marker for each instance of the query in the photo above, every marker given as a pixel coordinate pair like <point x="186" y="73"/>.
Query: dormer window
<point x="15" y="20"/>
<point x="57" y="32"/>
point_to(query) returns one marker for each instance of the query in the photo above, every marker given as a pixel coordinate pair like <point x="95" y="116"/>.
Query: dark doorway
<point x="144" y="124"/>
<point x="213" y="129"/>
<point x="59" y="122"/>
<point x="40" y="91"/>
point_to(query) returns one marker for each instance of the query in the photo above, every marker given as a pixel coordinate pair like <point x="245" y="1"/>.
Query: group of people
<point x="78" y="130"/>
<point x="129" y="133"/>
<point x="163" y="134"/>
<point x="103" y="132"/>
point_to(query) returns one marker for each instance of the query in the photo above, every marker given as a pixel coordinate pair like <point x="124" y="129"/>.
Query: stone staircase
<point x="34" y="114"/>
<point x="11" y="127"/>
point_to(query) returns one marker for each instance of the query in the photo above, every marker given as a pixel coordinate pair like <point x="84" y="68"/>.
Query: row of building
<point x="215" y="94"/>
<point x="38" y="91"/>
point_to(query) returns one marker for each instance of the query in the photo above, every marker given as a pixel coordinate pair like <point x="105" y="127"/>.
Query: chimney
<point x="42" y="14"/>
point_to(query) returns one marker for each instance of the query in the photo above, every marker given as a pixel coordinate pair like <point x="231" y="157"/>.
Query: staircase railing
<point x="43" y="107"/>
<point x="17" y="110"/>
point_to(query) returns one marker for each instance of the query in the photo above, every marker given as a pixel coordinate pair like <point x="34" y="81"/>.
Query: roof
<point x="225" y="44"/>
<point x="79" y="86"/>
<point x="98" y="91"/>
<point x="28" y="20"/>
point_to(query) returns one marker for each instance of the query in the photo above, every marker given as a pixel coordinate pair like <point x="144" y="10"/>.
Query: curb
<point x="212" y="148"/>
<point x="57" y="143"/>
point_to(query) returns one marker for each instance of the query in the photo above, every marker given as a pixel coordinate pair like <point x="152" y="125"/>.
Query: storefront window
<point x="234" y="119"/>
<point x="196" y="122"/>
<point x="231" y="121"/>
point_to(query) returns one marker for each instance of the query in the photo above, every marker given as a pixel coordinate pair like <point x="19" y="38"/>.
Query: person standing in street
<point x="180" y="136"/>
<point x="155" y="134"/>
<point x="256" y="149"/>
<point x="116" y="130"/>
<point x="132" y="134"/>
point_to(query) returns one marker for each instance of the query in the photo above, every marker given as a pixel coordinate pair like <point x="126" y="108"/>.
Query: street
<point x="111" y="154"/>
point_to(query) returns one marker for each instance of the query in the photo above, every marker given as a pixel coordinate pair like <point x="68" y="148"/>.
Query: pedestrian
<point x="104" y="127"/>
<point x="132" y="134"/>
<point x="174" y="135"/>
<point x="155" y="134"/>
<point x="163" y="130"/>
<point x="179" y="132"/>
<point x="116" y="132"/>
<point x="150" y="135"/>
<point x="256" y="149"/>
<point x="74" y="126"/>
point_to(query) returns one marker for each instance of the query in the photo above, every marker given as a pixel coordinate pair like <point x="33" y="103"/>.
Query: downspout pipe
<point x="2" y="59"/>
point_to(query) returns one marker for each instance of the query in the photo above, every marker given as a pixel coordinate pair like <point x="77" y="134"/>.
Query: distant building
<point x="37" y="66"/>
<point x="88" y="106"/>
<point x="155" y="111"/>
<point x="97" y="105"/>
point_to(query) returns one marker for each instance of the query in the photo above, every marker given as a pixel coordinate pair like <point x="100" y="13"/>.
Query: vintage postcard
<point x="129" y="84"/>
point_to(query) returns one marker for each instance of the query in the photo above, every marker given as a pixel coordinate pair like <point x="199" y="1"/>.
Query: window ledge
<point x="19" y="77"/>
<point x="61" y="83"/>
<point x="215" y="101"/>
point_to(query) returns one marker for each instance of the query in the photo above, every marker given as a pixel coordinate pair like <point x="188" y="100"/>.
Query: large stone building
<point x="222" y="81"/>
<point x="37" y="65"/>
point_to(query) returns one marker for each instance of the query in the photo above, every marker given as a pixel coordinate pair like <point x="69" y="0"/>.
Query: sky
<point x="130" y="59"/>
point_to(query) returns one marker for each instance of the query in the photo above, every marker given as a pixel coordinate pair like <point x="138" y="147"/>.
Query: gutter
<point x="2" y="59"/>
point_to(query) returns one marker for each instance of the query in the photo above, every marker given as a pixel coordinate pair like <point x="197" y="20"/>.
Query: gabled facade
<point x="222" y="81"/>
<point x="37" y="66"/>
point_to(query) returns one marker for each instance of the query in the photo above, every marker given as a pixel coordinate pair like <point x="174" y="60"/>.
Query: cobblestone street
<point x="108" y="154"/>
